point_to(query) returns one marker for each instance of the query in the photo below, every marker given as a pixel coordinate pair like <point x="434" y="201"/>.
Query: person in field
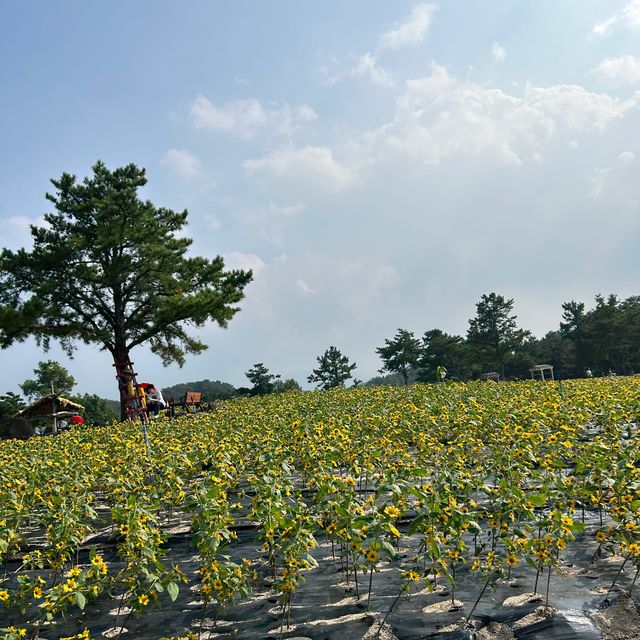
<point x="69" y="422"/>
<point x="155" y="401"/>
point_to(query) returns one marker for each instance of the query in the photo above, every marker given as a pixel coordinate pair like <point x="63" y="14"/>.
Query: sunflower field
<point x="328" y="514"/>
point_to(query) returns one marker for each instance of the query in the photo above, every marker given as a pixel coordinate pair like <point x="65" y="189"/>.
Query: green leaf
<point x="172" y="590"/>
<point x="311" y="560"/>
<point x="80" y="599"/>
<point x="390" y="551"/>
<point x="474" y="527"/>
<point x="416" y="524"/>
<point x="447" y="574"/>
<point x="213" y="492"/>
<point x="538" y="499"/>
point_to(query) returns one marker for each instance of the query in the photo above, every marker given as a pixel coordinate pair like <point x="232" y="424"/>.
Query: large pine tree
<point x="111" y="269"/>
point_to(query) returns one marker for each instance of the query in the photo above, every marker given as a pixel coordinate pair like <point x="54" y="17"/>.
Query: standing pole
<point x="135" y="403"/>
<point x="146" y="437"/>
<point x="54" y="411"/>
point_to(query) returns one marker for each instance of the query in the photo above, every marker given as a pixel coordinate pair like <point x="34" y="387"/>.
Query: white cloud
<point x="184" y="164"/>
<point x="16" y="230"/>
<point x="285" y="210"/>
<point x="382" y="277"/>
<point x="238" y="260"/>
<point x="354" y="283"/>
<point x="329" y="77"/>
<point x="21" y="224"/>
<point x="629" y="17"/>
<point x="303" y="288"/>
<point x="268" y="221"/>
<point x="412" y="31"/>
<point x="310" y="165"/>
<point x="618" y="71"/>
<point x="574" y="108"/>
<point x="439" y="116"/>
<point x="368" y="68"/>
<point x="601" y="181"/>
<point x="498" y="52"/>
<point x="351" y="275"/>
<point x="246" y="118"/>
<point x="350" y="285"/>
<point x="212" y="221"/>
<point x="597" y="182"/>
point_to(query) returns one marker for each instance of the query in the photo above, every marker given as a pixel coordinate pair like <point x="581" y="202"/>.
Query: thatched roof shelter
<point x="46" y="410"/>
<point x="48" y="407"/>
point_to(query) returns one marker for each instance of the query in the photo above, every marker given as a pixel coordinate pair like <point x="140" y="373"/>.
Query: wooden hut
<point x="44" y="413"/>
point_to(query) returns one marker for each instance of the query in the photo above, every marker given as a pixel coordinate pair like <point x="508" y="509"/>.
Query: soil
<point x="378" y="632"/>
<point x="618" y="619"/>
<point x="495" y="631"/>
<point x="540" y="614"/>
<point x="523" y="598"/>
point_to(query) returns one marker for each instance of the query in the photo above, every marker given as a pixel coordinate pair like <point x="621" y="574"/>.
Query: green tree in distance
<point x="111" y="269"/>
<point x="390" y="380"/>
<point x="558" y="351"/>
<point x="210" y="390"/>
<point x="439" y="349"/>
<point x="97" y="410"/>
<point x="262" y="380"/>
<point x="10" y="404"/>
<point x="400" y="354"/>
<point x="493" y="333"/>
<point x="333" y="371"/>
<point x="281" y="386"/>
<point x="573" y="328"/>
<point x="48" y="375"/>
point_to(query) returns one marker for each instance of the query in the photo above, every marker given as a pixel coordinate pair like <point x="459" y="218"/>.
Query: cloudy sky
<point x="377" y="164"/>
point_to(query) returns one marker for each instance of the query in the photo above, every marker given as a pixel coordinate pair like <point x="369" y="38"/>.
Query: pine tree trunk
<point x="120" y="356"/>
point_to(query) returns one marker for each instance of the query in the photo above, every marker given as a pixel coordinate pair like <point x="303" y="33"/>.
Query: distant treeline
<point x="598" y="341"/>
<point x="210" y="389"/>
<point x="602" y="340"/>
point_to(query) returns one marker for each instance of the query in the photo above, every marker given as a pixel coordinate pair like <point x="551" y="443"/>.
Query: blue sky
<point x="379" y="165"/>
